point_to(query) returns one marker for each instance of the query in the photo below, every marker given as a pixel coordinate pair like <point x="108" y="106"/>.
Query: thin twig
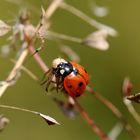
<point x="63" y="37"/>
<point x="131" y="109"/>
<point x="116" y="111"/>
<point x="48" y="13"/>
<point x="33" y="76"/>
<point x="39" y="60"/>
<point x="115" y="131"/>
<point x="18" y="108"/>
<point x="14" y="71"/>
<point x="90" y="121"/>
<point x="52" y="8"/>
<point x="48" y="119"/>
<point x="87" y="19"/>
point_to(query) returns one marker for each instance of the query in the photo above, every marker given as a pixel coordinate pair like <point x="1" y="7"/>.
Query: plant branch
<point x="90" y="121"/>
<point x="14" y="71"/>
<point x="63" y="37"/>
<point x="116" y="111"/>
<point x="27" y="71"/>
<point x="44" y="24"/>
<point x="38" y="59"/>
<point x="48" y="119"/>
<point x="87" y="19"/>
<point x="131" y="109"/>
<point x="52" y="8"/>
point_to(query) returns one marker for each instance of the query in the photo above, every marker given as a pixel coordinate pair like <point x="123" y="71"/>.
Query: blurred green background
<point x="107" y="71"/>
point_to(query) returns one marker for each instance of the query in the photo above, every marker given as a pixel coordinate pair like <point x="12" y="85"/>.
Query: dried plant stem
<point x="52" y="8"/>
<point x="64" y="37"/>
<point x="48" y="13"/>
<point x="90" y="121"/>
<point x="14" y="71"/>
<point x="131" y="109"/>
<point x="20" y="109"/>
<point x="38" y="59"/>
<point x="48" y="119"/>
<point x="115" y="131"/>
<point x="87" y="19"/>
<point x="33" y="76"/>
<point x="116" y="111"/>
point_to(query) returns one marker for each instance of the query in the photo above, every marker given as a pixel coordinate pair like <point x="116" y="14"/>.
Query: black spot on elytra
<point x="70" y="86"/>
<point x="77" y="95"/>
<point x="80" y="84"/>
<point x="85" y="71"/>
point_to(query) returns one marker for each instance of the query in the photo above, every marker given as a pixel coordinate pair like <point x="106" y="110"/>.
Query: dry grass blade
<point x="48" y="119"/>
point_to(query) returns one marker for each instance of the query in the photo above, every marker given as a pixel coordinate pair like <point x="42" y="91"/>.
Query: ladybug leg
<point x="59" y="83"/>
<point x="49" y="78"/>
<point x="46" y="74"/>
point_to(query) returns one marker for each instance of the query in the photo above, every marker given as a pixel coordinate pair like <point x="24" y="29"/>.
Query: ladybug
<point x="68" y="76"/>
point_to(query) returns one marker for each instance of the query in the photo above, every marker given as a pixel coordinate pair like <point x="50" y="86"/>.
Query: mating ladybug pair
<point x="68" y="76"/>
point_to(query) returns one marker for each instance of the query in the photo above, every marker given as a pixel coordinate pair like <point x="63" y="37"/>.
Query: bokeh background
<point x="107" y="70"/>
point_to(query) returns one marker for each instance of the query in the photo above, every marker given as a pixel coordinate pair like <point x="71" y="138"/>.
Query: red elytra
<point x="75" y="84"/>
<point x="81" y="71"/>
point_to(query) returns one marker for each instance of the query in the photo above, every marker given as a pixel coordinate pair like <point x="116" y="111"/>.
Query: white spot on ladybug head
<point x="62" y="71"/>
<point x="57" y="61"/>
<point x="72" y="74"/>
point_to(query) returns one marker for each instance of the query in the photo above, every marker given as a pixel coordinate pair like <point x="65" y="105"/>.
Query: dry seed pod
<point x="97" y="40"/>
<point x="3" y="122"/>
<point x="4" y="28"/>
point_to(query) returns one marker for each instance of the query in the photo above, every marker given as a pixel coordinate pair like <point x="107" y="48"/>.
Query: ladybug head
<point x="61" y="67"/>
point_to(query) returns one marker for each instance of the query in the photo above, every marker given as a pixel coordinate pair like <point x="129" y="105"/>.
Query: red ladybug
<point x="70" y="76"/>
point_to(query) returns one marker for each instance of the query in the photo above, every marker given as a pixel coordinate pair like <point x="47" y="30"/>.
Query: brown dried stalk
<point x="90" y="121"/>
<point x="52" y="8"/>
<point x="116" y="111"/>
<point x="44" y="23"/>
<point x="13" y="72"/>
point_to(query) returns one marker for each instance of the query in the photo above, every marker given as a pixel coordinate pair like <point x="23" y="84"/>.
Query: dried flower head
<point x="44" y="24"/>
<point x="24" y="16"/>
<point x="29" y="32"/>
<point x="99" y="10"/>
<point x="127" y="87"/>
<point x="3" y="122"/>
<point x="97" y="40"/>
<point x="4" y="28"/>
